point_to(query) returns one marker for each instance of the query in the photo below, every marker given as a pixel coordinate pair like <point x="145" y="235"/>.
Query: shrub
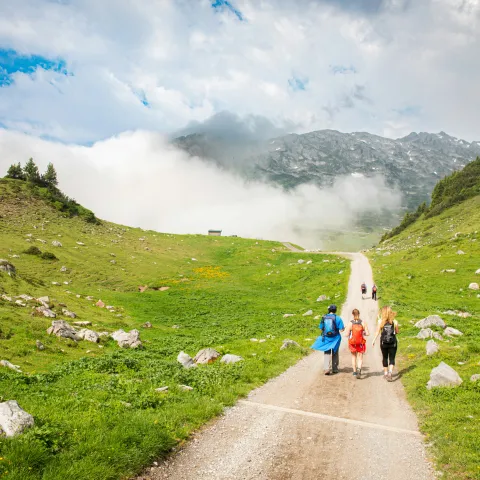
<point x="48" y="256"/>
<point x="33" y="251"/>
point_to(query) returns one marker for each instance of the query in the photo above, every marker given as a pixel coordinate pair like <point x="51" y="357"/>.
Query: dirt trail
<point x="303" y="425"/>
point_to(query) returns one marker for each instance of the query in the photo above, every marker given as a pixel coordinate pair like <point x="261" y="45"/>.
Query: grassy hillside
<point x="96" y="410"/>
<point x="410" y="271"/>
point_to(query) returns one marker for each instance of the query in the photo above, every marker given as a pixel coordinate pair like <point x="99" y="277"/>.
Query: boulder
<point x="443" y="376"/>
<point x="11" y="366"/>
<point x="61" y="328"/>
<point x="40" y="346"/>
<point x="477" y="272"/>
<point x="437" y="336"/>
<point x="129" y="339"/>
<point x="20" y="303"/>
<point x="460" y="252"/>
<point x="432" y="347"/>
<point x="7" y="267"/>
<point x="452" y="332"/>
<point x="475" y="377"/>
<point x="206" y="355"/>
<point x="68" y="313"/>
<point x="46" y="312"/>
<point x="13" y="419"/>
<point x="6" y="298"/>
<point x="474" y="286"/>
<point x="88" y="335"/>
<point x="321" y="298"/>
<point x="308" y="313"/>
<point x="162" y="389"/>
<point x="56" y="243"/>
<point x="147" y="325"/>
<point x="186" y="360"/>
<point x="301" y="261"/>
<point x="428" y="333"/>
<point x="289" y="343"/>
<point x="431" y="321"/>
<point x="230" y="358"/>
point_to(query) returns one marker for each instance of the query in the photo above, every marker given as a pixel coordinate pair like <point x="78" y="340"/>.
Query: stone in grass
<point x="475" y="377"/>
<point x="185" y="388"/>
<point x="7" y="267"/>
<point x="308" y="313"/>
<point x="321" y="298"/>
<point x="68" y="313"/>
<point x="186" y="360"/>
<point x="46" y="312"/>
<point x="452" y="332"/>
<point x="425" y="333"/>
<point x="432" y="347"/>
<point x="162" y="389"/>
<point x="11" y="366"/>
<point x="84" y="323"/>
<point x="460" y="252"/>
<point x="474" y="286"/>
<point x="56" y="243"/>
<point x="289" y="343"/>
<point x="147" y="325"/>
<point x="286" y="315"/>
<point x="301" y="261"/>
<point x="129" y="339"/>
<point x="40" y="346"/>
<point x="64" y="269"/>
<point x="443" y="376"/>
<point x="229" y="358"/>
<point x="431" y="321"/>
<point x="88" y="335"/>
<point x="206" y="355"/>
<point x="61" y="328"/>
<point x="13" y="419"/>
<point x="100" y="304"/>
<point x="477" y="272"/>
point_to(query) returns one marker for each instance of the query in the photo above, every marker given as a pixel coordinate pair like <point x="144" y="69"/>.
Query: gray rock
<point x="68" y="313"/>
<point x="81" y="244"/>
<point x="425" y="333"/>
<point x="443" y="376"/>
<point x="452" y="332"/>
<point x="450" y="270"/>
<point x="460" y="252"/>
<point x="129" y="339"/>
<point x="64" y="269"/>
<point x="11" y="366"/>
<point x="6" y="298"/>
<point x="288" y="344"/>
<point x="321" y="298"/>
<point x="46" y="312"/>
<point x="475" y="377"/>
<point x="432" y="347"/>
<point x="185" y="388"/>
<point x="40" y="346"/>
<point x="162" y="389"/>
<point x="13" y="419"/>
<point x="301" y="261"/>
<point x="230" y="358"/>
<point x="82" y="324"/>
<point x="286" y="315"/>
<point x="147" y="325"/>
<point x="45" y="301"/>
<point x="56" y="243"/>
<point x="7" y="267"/>
<point x="206" y="355"/>
<point x="186" y="360"/>
<point x="477" y="272"/>
<point x="431" y="321"/>
<point x="60" y="328"/>
<point x="308" y="313"/>
<point x="88" y="335"/>
<point x="474" y="286"/>
<point x="20" y="303"/>
<point x="437" y="336"/>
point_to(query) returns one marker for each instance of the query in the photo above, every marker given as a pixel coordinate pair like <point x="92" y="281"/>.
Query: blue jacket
<point x="324" y="344"/>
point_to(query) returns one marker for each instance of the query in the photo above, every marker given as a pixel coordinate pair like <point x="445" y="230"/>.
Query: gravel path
<point x="303" y="425"/>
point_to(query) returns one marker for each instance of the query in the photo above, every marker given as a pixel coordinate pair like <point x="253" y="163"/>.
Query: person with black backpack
<point x="388" y="330"/>
<point x="374" y="292"/>
<point x="329" y="341"/>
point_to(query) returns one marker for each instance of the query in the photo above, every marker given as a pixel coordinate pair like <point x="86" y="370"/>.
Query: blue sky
<point x="76" y="72"/>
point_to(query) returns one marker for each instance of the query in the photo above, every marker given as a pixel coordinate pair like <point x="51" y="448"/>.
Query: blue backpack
<point x="330" y="325"/>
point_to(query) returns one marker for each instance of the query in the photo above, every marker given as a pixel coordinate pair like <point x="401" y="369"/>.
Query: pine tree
<point x="31" y="171"/>
<point x="50" y="177"/>
<point x="15" y="171"/>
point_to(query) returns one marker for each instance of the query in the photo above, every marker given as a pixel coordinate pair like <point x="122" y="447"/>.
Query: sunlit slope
<point x="411" y="271"/>
<point x="96" y="410"/>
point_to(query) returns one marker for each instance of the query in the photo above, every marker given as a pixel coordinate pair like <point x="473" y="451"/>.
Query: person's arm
<point x="348" y="330"/>
<point x="365" y="328"/>
<point x="340" y="325"/>
<point x="396" y="327"/>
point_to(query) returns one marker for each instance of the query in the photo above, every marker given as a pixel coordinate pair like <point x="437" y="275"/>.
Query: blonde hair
<point x="387" y="315"/>
<point x="356" y="314"/>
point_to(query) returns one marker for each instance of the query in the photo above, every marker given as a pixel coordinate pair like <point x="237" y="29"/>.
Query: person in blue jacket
<point x="330" y="339"/>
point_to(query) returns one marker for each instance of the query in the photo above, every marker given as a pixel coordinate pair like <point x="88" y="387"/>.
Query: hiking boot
<point x="334" y="372"/>
<point x="354" y="374"/>
<point x="389" y="377"/>
<point x="359" y="372"/>
<point x="326" y="372"/>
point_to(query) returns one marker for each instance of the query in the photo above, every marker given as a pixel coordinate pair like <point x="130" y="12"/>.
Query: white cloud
<point x="138" y="179"/>
<point x="191" y="62"/>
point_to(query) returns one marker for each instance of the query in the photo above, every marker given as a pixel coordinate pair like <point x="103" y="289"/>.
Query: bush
<point x="48" y="256"/>
<point x="33" y="251"/>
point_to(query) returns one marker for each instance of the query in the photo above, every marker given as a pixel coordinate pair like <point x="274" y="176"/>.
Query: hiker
<point x="356" y="332"/>
<point x="387" y="328"/>
<point x="364" y="289"/>
<point x="330" y="339"/>
<point x="374" y="292"/>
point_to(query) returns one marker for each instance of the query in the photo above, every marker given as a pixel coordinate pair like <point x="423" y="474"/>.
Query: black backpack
<point x="388" y="334"/>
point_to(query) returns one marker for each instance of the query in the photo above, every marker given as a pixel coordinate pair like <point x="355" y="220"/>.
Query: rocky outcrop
<point x="13" y="419"/>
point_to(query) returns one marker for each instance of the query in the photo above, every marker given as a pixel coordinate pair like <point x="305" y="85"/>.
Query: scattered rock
<point x="6" y="298"/>
<point x="56" y="243"/>
<point x="61" y="328"/>
<point x="45" y="301"/>
<point x="162" y="390"/>
<point x="46" y="312"/>
<point x="81" y="244"/>
<point x="88" y="335"/>
<point x="474" y="286"/>
<point x="13" y="419"/>
<point x="288" y="315"/>
<point x="89" y="298"/>
<point x="20" y="303"/>
<point x="141" y="288"/>
<point x="64" y="269"/>
<point x="317" y="317"/>
<point x="254" y="339"/>
<point x="147" y="325"/>
<point x="452" y="332"/>
<point x="176" y="326"/>
<point x="309" y="262"/>
<point x="475" y="377"/>
<point x="308" y="313"/>
<point x="186" y="360"/>
<point x="206" y="355"/>
<point x="11" y="366"/>
<point x="432" y="347"/>
<point x="113" y="262"/>
<point x="425" y="333"/>
<point x="56" y="283"/>
<point x="40" y="346"/>
<point x="301" y="261"/>
<point x="437" y="336"/>
<point x="194" y="260"/>
<point x="262" y="340"/>
<point x="450" y="270"/>
<point x="321" y="298"/>
<point x="100" y="304"/>
<point x="230" y="358"/>
<point x="289" y="343"/>
<point x="7" y="267"/>
<point x="443" y="376"/>
<point x="460" y="252"/>
<point x="163" y="289"/>
<point x="185" y="388"/>
<point x="129" y="339"/>
<point x="431" y="321"/>
<point x="82" y="324"/>
<point x="68" y="313"/>
<point x="477" y="272"/>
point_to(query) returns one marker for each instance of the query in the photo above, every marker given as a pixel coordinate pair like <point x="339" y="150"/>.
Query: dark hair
<point x="332" y="308"/>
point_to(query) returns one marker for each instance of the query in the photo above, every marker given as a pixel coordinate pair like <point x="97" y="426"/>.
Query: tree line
<point x="30" y="173"/>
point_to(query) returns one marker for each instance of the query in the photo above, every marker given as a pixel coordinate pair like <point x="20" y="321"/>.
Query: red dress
<point x="357" y="342"/>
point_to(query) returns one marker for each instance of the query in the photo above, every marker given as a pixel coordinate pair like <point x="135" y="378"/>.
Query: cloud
<point x="139" y="179"/>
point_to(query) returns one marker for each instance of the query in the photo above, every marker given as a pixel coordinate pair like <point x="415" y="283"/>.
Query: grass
<point x="410" y="279"/>
<point x="96" y="411"/>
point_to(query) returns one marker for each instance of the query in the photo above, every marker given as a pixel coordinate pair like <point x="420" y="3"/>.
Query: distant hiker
<point x="364" y="289"/>
<point x="387" y="328"/>
<point x="356" y="333"/>
<point x="330" y="339"/>
<point x="374" y="292"/>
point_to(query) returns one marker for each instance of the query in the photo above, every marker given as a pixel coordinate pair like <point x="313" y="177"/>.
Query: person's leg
<point x="384" y="361"/>
<point x="359" y="361"/>
<point x="391" y="361"/>
<point x="335" y="361"/>
<point x="327" y="362"/>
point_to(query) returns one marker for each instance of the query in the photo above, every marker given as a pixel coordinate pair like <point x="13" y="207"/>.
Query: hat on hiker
<point x="332" y="308"/>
